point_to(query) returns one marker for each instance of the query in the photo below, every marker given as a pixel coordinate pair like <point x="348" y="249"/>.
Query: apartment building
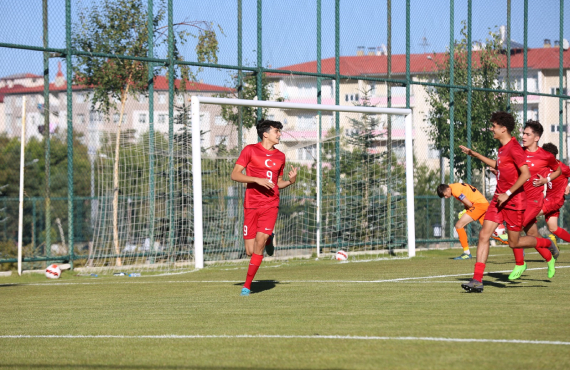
<point x="542" y="77"/>
<point x="92" y="123"/>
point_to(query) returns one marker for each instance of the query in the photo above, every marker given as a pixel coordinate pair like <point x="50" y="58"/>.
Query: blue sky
<point x="289" y="28"/>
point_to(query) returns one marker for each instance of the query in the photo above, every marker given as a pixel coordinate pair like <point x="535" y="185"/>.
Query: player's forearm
<point x="555" y="174"/>
<point x="240" y="177"/>
<point x="282" y="184"/>
<point x="488" y="161"/>
<point x="467" y="203"/>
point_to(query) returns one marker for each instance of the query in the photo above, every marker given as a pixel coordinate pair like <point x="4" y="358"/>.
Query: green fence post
<point x="151" y="189"/>
<point x="170" y="128"/>
<point x="508" y="54"/>
<point x="389" y="122"/>
<point x="259" y="57"/>
<point x="561" y="92"/>
<point x="319" y="100"/>
<point x="46" y="129"/>
<point x="240" y="74"/>
<point x="337" y="115"/>
<point x="525" y="61"/>
<point x="34" y="226"/>
<point x="70" y="197"/>
<point x="469" y="95"/>
<point x="451" y="109"/>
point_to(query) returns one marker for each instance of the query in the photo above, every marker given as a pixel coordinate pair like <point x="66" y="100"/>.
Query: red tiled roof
<point x="21" y="75"/>
<point x="5" y="89"/>
<point x="160" y="84"/>
<point x="543" y="58"/>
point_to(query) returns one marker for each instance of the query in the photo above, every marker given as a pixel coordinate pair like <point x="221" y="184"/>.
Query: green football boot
<point x="517" y="272"/>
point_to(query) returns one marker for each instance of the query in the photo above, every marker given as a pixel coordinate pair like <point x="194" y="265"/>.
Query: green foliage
<point x="120" y="27"/>
<point x="249" y="92"/>
<point x="35" y="183"/>
<point x="485" y="73"/>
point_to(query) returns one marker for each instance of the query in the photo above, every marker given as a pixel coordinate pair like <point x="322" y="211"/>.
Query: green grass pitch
<point x="304" y="314"/>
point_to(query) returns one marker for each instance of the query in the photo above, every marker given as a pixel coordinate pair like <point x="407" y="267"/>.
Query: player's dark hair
<point x="441" y="188"/>
<point x="551" y="148"/>
<point x="535" y="126"/>
<point x="265" y="125"/>
<point x="504" y="119"/>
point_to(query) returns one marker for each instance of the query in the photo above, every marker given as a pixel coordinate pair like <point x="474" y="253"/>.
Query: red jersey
<point x="262" y="163"/>
<point x="540" y="163"/>
<point x="510" y="158"/>
<point x="555" y="189"/>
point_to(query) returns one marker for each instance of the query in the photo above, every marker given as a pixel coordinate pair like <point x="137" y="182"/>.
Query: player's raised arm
<point x="292" y="179"/>
<point x="488" y="161"/>
<point x="237" y="175"/>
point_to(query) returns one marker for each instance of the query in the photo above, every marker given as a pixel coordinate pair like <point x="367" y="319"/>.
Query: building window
<point x="556" y="128"/>
<point x="18" y="101"/>
<point x="346" y="97"/>
<point x="116" y="117"/>
<point x="142" y="118"/>
<point x="373" y="88"/>
<point x="162" y="118"/>
<point x="308" y="153"/>
<point x="306" y="121"/>
<point x="179" y="99"/>
<point x="80" y="98"/>
<point x="142" y="98"/>
<point x="162" y="98"/>
<point x="221" y="140"/>
<point x="220" y="121"/>
<point x="555" y="90"/>
<point x="81" y="119"/>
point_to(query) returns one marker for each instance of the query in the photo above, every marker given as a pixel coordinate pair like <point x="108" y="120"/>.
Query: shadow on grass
<point x="504" y="282"/>
<point x="259" y="286"/>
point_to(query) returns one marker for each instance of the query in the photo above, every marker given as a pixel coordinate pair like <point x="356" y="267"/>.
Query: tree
<point x="248" y="92"/>
<point x="120" y="27"/>
<point x="486" y="67"/>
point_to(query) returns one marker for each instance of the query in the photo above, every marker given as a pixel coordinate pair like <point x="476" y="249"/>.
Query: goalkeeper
<point x="475" y="208"/>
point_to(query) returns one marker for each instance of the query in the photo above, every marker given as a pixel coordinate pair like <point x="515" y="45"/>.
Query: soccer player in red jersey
<point x="554" y="200"/>
<point x="541" y="165"/>
<point x="509" y="201"/>
<point x="264" y="166"/>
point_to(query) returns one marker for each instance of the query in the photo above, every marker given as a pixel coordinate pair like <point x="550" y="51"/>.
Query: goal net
<point x="178" y="207"/>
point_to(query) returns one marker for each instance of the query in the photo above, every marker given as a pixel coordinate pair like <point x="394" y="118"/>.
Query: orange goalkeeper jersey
<point x="465" y="191"/>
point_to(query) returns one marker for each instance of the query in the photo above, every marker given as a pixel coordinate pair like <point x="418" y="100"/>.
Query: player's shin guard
<point x="479" y="270"/>
<point x="562" y="234"/>
<point x="254" y="264"/>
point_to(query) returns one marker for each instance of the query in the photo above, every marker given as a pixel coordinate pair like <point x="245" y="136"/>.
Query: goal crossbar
<point x="197" y="155"/>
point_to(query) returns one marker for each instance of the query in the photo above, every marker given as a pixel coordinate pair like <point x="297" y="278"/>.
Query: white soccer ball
<point x="341" y="255"/>
<point x="500" y="230"/>
<point x="53" y="272"/>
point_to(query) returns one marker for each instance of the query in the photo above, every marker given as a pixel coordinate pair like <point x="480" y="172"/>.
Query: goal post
<point x="198" y="220"/>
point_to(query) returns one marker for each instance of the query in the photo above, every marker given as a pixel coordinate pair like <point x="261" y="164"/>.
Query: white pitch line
<point x="261" y="336"/>
<point x="397" y="280"/>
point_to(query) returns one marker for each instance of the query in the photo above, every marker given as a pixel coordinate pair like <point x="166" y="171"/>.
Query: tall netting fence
<point x="507" y="55"/>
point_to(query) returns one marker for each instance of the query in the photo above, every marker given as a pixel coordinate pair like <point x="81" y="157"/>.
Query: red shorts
<point x="551" y="208"/>
<point x="259" y="220"/>
<point x="513" y="217"/>
<point x="533" y="208"/>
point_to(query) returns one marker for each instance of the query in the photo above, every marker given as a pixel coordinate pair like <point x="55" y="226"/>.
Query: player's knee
<point x="552" y="228"/>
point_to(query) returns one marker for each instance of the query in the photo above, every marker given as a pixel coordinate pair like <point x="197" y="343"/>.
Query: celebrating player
<point x="509" y="201"/>
<point x="554" y="199"/>
<point x="264" y="166"/>
<point x="475" y="207"/>
<point x="543" y="168"/>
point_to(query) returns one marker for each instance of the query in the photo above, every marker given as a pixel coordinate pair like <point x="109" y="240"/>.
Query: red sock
<point x="479" y="270"/>
<point x="542" y="245"/>
<point x="562" y="234"/>
<point x="254" y="264"/>
<point x="519" y="256"/>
